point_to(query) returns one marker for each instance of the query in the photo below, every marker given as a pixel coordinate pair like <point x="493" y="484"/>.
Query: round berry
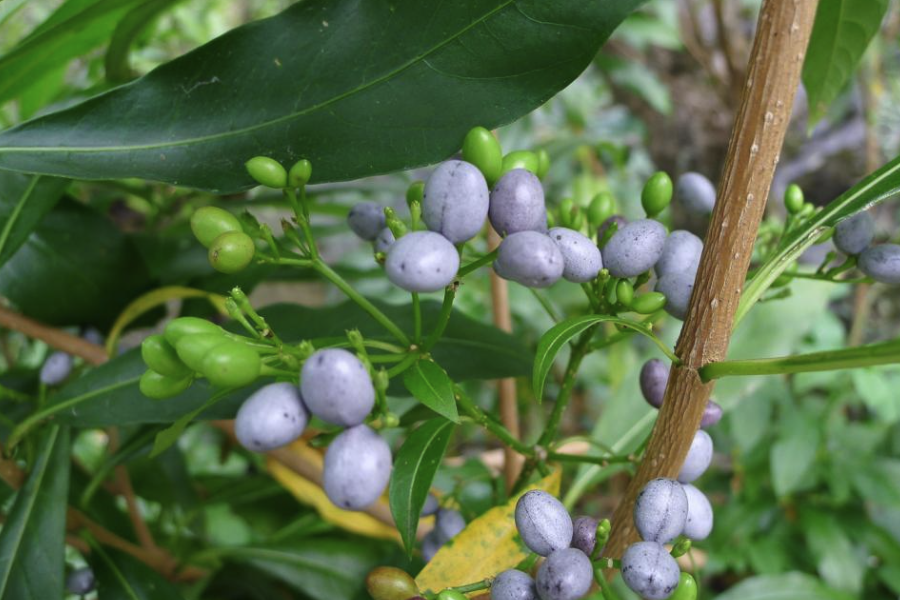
<point x="231" y="364"/>
<point x="654" y="377"/>
<point x="650" y="571"/>
<point x="160" y="356"/>
<point x="681" y="252"/>
<point x="677" y="287"/>
<point x="567" y="574"/>
<point x="447" y="525"/>
<point x="231" y="252"/>
<point x="517" y="203"/>
<point x="159" y="387"/>
<point x="336" y="387"/>
<point x="431" y="506"/>
<point x="385" y="240"/>
<point x="648" y="303"/>
<point x="581" y="257"/>
<point x="192" y="349"/>
<point x="699" y="521"/>
<point x="267" y="171"/>
<point x="270" y="418"/>
<point x="390" y="583"/>
<point x="712" y="414"/>
<point x="543" y="522"/>
<point x="513" y="584"/>
<point x="80" y="581"/>
<point x="543" y="163"/>
<point x="451" y="595"/>
<point x="698" y="457"/>
<point x="422" y="261"/>
<point x="482" y="149"/>
<point x="853" y="235"/>
<point x="92" y="335"/>
<point x="531" y="259"/>
<point x="456" y="201"/>
<point x="357" y="468"/>
<point x="696" y="193"/>
<point x="521" y="159"/>
<point x="300" y="173"/>
<point x="209" y="222"/>
<point x="793" y="199"/>
<point x="657" y="193"/>
<point x="56" y="368"/>
<point x="660" y="510"/>
<point x="687" y="588"/>
<point x="600" y="209"/>
<point x="366" y="219"/>
<point x="881" y="263"/>
<point x="584" y="534"/>
<point x="430" y="545"/>
<point x="184" y="326"/>
<point x="634" y="248"/>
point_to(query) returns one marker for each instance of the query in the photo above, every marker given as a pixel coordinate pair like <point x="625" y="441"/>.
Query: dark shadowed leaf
<point x="24" y="200"/>
<point x="121" y="577"/>
<point x="431" y="386"/>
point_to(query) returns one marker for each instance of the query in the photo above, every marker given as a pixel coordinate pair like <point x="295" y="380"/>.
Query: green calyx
<point x="231" y="252"/>
<point x="657" y="193"/>
<point x="483" y="150"/>
<point x="209" y="222"/>
<point x="267" y="171"/>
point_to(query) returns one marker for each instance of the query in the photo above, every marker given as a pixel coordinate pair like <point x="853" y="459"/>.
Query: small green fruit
<point x="567" y="210"/>
<point x="300" y="173"/>
<point x="160" y="356"/>
<point x="210" y="222"/>
<point x="231" y="364"/>
<point x="625" y="292"/>
<point x="451" y="595"/>
<point x="192" y="349"/>
<point x="657" y="194"/>
<point x="390" y="583"/>
<point x="602" y="207"/>
<point x="520" y="159"/>
<point x="648" y="303"/>
<point x="159" y="387"/>
<point x="231" y="252"/>
<point x="806" y="210"/>
<point x="415" y="192"/>
<point x="687" y="588"/>
<point x="543" y="163"/>
<point x="267" y="171"/>
<point x="182" y="326"/>
<point x="483" y="150"/>
<point x="793" y="199"/>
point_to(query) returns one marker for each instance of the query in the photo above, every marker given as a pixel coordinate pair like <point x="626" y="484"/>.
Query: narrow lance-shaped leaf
<point x="24" y="200"/>
<point x="431" y="386"/>
<point x="414" y="470"/>
<point x="356" y="87"/>
<point x="121" y="577"/>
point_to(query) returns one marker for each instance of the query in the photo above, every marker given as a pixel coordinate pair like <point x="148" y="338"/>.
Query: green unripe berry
<point x="192" y="349"/>
<point x="681" y="547"/>
<point x="231" y="252"/>
<point x="390" y="583"/>
<point x="687" y="588"/>
<point x="551" y="220"/>
<point x="451" y="595"/>
<point x="602" y="207"/>
<point x="648" y="303"/>
<point x="657" y="193"/>
<point x="160" y="356"/>
<point x="483" y="150"/>
<point x="543" y="163"/>
<point x="566" y="212"/>
<point x="231" y="364"/>
<point x="159" y="387"/>
<point x="415" y="192"/>
<point x="300" y="173"/>
<point x="793" y="199"/>
<point x="807" y="210"/>
<point x="520" y="159"/>
<point x="184" y="326"/>
<point x="577" y="221"/>
<point x="210" y="222"/>
<point x="625" y="292"/>
<point x="267" y="171"/>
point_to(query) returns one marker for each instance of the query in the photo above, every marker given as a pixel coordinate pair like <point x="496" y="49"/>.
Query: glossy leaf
<point x="24" y="200"/>
<point x="840" y="36"/>
<point x="121" y="577"/>
<point x="415" y="466"/>
<point x="787" y="586"/>
<point x="487" y="546"/>
<point x="431" y="386"/>
<point x="32" y="541"/>
<point x="877" y="187"/>
<point x="358" y="89"/>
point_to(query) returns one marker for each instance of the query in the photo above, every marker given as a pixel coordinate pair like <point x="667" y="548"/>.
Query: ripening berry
<point x="422" y="261"/>
<point x="231" y="364"/>
<point x="543" y="522"/>
<point x="336" y="387"/>
<point x="681" y="252"/>
<point x="270" y="418"/>
<point x="209" y="222"/>
<point x="648" y="303"/>
<point x="81" y="581"/>
<point x="660" y="511"/>
<point x="483" y="150"/>
<point x="677" y="287"/>
<point x="366" y="219"/>
<point x="531" y="259"/>
<point x="581" y="257"/>
<point x="513" y="585"/>
<point x="698" y="457"/>
<point x="159" y="387"/>
<point x="521" y="159"/>
<point x="853" y="235"/>
<point x="712" y="414"/>
<point x="567" y="574"/>
<point x="231" y="252"/>
<point x="584" y="534"/>
<point x="56" y="368"/>
<point x="696" y="193"/>
<point x="650" y="571"/>
<point x="448" y="524"/>
<point x="451" y="595"/>
<point x="456" y="201"/>
<point x="699" y="521"/>
<point x="385" y="240"/>
<point x="634" y="248"/>
<point x="357" y="468"/>
<point x="881" y="263"/>
<point x="657" y="193"/>
<point x="654" y="377"/>
<point x="92" y="335"/>
<point x="793" y="199"/>
<point x="267" y="171"/>
<point x="300" y="173"/>
<point x="517" y="203"/>
<point x="390" y="583"/>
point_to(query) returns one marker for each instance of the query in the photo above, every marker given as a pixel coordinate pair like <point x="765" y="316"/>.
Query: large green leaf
<point x="880" y="185"/>
<point x="788" y="586"/>
<point x="121" y="577"/>
<point x="838" y="562"/>
<point x="431" y="386"/>
<point x="32" y="541"/>
<point x="357" y="87"/>
<point x="841" y="34"/>
<point x="414" y="470"/>
<point x="24" y="201"/>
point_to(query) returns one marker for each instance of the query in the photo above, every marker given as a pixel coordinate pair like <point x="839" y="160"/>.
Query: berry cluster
<point x="854" y="236"/>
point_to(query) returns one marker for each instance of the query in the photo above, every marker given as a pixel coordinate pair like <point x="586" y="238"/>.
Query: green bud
<point x="648" y="303"/>
<point x="483" y="150"/>
<point x="681" y="547"/>
<point x="551" y="220"/>
<point x="391" y="420"/>
<point x="566" y="212"/>
<point x="415" y="192"/>
<point x="306" y="349"/>
<point x="520" y="159"/>
<point x="209" y="222"/>
<point x="657" y="193"/>
<point x="793" y="199"/>
<point x="602" y="207"/>
<point x="807" y="210"/>
<point x="381" y="380"/>
<point x="543" y="163"/>
<point x="356" y="340"/>
<point x="625" y="292"/>
<point x="159" y="387"/>
<point x="687" y="588"/>
<point x="397" y="227"/>
<point x="267" y="171"/>
<point x="300" y="173"/>
<point x="231" y="252"/>
<point x="611" y="290"/>
<point x="577" y="222"/>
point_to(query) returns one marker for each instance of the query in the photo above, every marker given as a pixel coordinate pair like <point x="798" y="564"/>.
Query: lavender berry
<point x="366" y="219"/>
<point x="567" y="574"/>
<point x="357" y="468"/>
<point x="422" y="261"/>
<point x="660" y="511"/>
<point x="336" y="387"/>
<point x="271" y="417"/>
<point x="384" y="240"/>
<point x="854" y="234"/>
<point x="531" y="259"/>
<point x="581" y="257"/>
<point x="513" y="585"/>
<point x="680" y="252"/>
<point x="677" y="287"/>
<point x="584" y="534"/>
<point x="448" y="524"/>
<point x="634" y="248"/>
<point x="654" y="377"/>
<point x="698" y="458"/>
<point x="881" y="263"/>
<point x="517" y="203"/>
<point x="81" y="581"/>
<point x="696" y="193"/>
<point x="650" y="571"/>
<point x="543" y="522"/>
<point x="456" y="201"/>
<point x="699" y="522"/>
<point x="56" y="368"/>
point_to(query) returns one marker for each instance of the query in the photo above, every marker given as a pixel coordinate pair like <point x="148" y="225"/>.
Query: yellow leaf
<point x="488" y="545"/>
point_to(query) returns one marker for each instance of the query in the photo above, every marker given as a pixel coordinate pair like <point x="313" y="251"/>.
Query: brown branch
<point x="772" y="80"/>
<point x="53" y="337"/>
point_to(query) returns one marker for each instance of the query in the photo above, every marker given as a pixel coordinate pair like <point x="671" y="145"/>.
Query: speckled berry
<point x="881" y="263"/>
<point x="696" y="193"/>
<point x="617" y="221"/>
<point x="336" y="387"/>
<point x="698" y="457"/>
<point x="699" y="522"/>
<point x="654" y="377"/>
<point x="660" y="510"/>
<point x="681" y="252"/>
<point x="584" y="534"/>
<point x="447" y="524"/>
<point x="517" y="203"/>
<point x="513" y="584"/>
<point x="271" y="417"/>
<point x="366" y="219"/>
<point x="422" y="261"/>
<point x="543" y="522"/>
<point x="581" y="257"/>
<point x="81" y="581"/>
<point x="384" y="240"/>
<point x="634" y="248"/>
<point x="56" y="368"/>
<point x="650" y="571"/>
<point x="567" y="574"/>
<point x="853" y="235"/>
<point x="456" y="202"/>
<point x="712" y="414"/>
<point x="357" y="468"/>
<point x="531" y="259"/>
<point x="677" y="287"/>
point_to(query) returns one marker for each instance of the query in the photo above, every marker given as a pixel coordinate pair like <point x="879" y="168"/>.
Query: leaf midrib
<point x="14" y="215"/>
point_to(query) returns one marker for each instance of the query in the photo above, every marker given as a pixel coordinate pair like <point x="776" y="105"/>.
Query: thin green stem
<point x="478" y="263"/>
<point x="443" y="319"/>
<point x="473" y="587"/>
<point x="882" y="353"/>
<point x="302" y="213"/>
<point x="605" y="588"/>
<point x="417" y="318"/>
<point x="565" y="393"/>
<point x="403" y="365"/>
<point x="545" y="304"/>
<point x="603" y="461"/>
<point x="490" y="423"/>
